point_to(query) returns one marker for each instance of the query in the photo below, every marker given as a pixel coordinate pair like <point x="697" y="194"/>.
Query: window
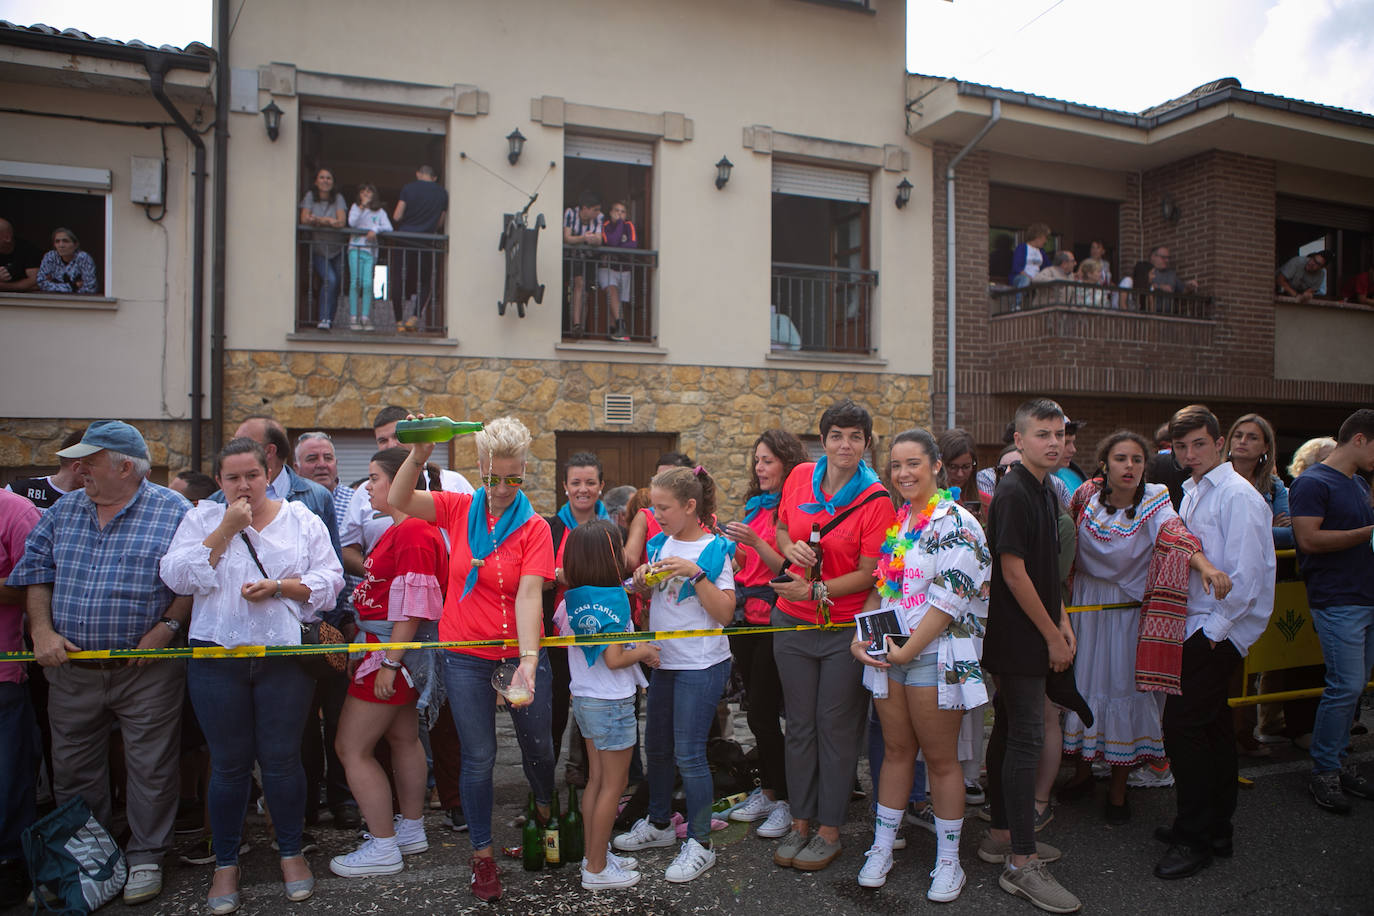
<point x="598" y="286"/>
<point x="1075" y="223"/>
<point x="822" y="287"/>
<point x="1304" y="226"/>
<point x="35" y="213"/>
<point x="400" y="286"/>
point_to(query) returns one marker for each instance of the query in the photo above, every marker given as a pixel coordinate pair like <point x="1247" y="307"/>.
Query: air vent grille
<point x="619" y="408"/>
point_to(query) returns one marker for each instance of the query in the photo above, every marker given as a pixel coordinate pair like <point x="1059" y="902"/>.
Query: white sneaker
<point x="691" y="862"/>
<point x="324" y="324"/>
<point x="778" y="823"/>
<point x="610" y="876"/>
<point x="644" y="835"/>
<point x="368" y="859"/>
<point x="144" y="883"/>
<point x="626" y="863"/>
<point x="946" y="881"/>
<point x="410" y="839"/>
<point x="754" y="808"/>
<point x="877" y="863"/>
<point x="1147" y="777"/>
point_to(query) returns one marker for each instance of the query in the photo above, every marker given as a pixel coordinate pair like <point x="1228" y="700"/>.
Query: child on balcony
<point x="367" y="214"/>
<point x="614" y="276"/>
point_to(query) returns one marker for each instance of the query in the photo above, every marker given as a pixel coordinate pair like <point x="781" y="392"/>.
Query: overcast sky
<point x="1125" y="54"/>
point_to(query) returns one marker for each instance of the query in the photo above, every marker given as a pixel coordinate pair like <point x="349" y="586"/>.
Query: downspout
<point x="949" y="259"/>
<point x="157" y="65"/>
<point x="222" y="75"/>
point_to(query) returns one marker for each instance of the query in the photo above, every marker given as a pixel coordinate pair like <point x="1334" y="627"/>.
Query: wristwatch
<point x="278" y="594"/>
<point x="173" y="625"/>
<point x="529" y="653"/>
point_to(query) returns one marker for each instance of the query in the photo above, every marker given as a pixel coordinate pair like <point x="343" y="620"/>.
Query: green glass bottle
<point x="532" y="839"/>
<point x="571" y="832"/>
<point x="553" y="852"/>
<point x="434" y="429"/>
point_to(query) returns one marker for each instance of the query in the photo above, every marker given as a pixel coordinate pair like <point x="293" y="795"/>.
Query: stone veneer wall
<point x="717" y="412"/>
<point x="27" y="442"/>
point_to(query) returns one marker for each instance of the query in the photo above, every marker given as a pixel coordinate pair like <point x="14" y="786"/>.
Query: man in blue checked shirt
<point x="90" y="567"/>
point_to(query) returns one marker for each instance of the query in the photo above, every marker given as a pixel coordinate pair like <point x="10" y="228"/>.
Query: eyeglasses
<point x="961" y="468"/>
<point x="492" y="480"/>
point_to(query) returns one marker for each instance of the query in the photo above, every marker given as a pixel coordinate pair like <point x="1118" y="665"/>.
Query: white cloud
<point x="1319" y="50"/>
<point x="156" y="22"/>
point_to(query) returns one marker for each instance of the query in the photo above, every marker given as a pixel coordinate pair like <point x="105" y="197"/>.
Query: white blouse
<point x="294" y="545"/>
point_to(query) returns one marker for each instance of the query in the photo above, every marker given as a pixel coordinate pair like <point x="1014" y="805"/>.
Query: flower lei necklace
<point x="892" y="562"/>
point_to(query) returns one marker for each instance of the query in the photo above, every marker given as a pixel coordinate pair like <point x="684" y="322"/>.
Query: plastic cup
<point x="504" y="682"/>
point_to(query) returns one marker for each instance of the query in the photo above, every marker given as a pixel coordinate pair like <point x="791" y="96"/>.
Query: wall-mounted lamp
<point x="723" y="168"/>
<point x="272" y="116"/>
<point x="1169" y="209"/>
<point x="517" y="145"/>
<point x="903" y="193"/>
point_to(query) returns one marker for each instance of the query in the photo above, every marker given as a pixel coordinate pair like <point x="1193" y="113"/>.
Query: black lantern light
<point x="272" y="116"/>
<point x="723" y="168"/>
<point x="517" y="145"/>
<point x="903" y="193"/>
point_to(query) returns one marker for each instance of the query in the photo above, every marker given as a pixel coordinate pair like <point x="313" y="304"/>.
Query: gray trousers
<point x="146" y="701"/>
<point x="827" y="709"/>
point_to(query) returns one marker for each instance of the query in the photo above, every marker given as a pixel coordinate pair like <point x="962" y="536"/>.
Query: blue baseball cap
<point x="115" y="435"/>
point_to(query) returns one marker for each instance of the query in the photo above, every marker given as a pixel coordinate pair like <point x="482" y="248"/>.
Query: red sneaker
<point x="486" y="879"/>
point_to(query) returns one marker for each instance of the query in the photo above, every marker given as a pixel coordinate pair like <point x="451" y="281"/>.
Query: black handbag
<point x="316" y="633"/>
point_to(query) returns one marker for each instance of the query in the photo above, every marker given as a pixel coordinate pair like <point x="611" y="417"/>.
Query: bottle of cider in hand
<point x="814" y="574"/>
<point x="434" y="429"/>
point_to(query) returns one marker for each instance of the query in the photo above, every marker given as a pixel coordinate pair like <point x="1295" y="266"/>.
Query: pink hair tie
<point x="699" y="471"/>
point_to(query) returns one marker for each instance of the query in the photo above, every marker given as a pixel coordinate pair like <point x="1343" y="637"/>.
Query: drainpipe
<point x="949" y="258"/>
<point x="157" y="66"/>
<point x="217" y="269"/>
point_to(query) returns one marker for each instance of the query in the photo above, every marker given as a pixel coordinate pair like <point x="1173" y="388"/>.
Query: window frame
<point x="105" y="263"/>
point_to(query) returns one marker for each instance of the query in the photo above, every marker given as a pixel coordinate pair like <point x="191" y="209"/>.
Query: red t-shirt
<point x="1356" y="286"/>
<point x="861" y="534"/>
<point x="413" y="546"/>
<point x="753" y="571"/>
<point x="488" y="612"/>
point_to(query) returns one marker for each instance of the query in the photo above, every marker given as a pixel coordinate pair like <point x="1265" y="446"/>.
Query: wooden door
<point x="626" y="458"/>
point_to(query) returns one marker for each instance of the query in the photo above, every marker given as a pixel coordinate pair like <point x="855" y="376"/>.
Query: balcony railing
<point x="1063" y="294"/>
<point x="399" y="287"/>
<point x="597" y="274"/>
<point x="826" y="309"/>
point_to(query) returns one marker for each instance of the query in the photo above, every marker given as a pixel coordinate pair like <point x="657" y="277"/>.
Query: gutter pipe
<point x="217" y="270"/>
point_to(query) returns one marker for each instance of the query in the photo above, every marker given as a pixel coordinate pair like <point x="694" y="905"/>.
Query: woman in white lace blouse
<point x="257" y="569"/>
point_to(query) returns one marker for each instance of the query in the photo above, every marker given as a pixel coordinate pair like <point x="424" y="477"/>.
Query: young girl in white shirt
<point x="692" y="587"/>
<point x="604" y="681"/>
<point x="368" y="214"/>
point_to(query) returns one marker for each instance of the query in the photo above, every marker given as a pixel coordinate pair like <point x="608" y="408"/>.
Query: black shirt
<point x="1164" y="469"/>
<point x="425" y="202"/>
<point x="37" y="490"/>
<point x="1022" y="521"/>
<point x="21" y="260"/>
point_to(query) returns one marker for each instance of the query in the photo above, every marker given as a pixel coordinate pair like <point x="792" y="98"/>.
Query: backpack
<point x="69" y="851"/>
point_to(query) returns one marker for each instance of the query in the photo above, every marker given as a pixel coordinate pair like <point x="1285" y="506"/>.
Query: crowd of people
<point x="902" y="603"/>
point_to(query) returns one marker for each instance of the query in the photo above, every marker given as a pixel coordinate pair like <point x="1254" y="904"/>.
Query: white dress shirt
<point x="294" y="545"/>
<point x="1233" y="523"/>
<point x="364" y="525"/>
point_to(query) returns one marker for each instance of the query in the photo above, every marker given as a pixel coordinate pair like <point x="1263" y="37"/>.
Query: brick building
<point x="1233" y="182"/>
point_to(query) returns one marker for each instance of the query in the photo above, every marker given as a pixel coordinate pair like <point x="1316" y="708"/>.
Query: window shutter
<point x="352" y="452"/>
<point x="1324" y="213"/>
<point x="608" y="149"/>
<point x="375" y="120"/>
<point x="803" y="180"/>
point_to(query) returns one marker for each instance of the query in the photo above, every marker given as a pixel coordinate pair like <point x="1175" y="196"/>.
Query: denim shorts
<point x="919" y="672"/>
<point x="608" y="724"/>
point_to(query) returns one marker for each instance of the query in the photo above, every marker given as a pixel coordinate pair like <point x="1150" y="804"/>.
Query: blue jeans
<point x="473" y="702"/>
<point x="361" y="261"/>
<point x="877" y="750"/>
<point x="252" y="709"/>
<point x="1346" y="632"/>
<point x="330" y="269"/>
<point x="18" y="768"/>
<point x="682" y="706"/>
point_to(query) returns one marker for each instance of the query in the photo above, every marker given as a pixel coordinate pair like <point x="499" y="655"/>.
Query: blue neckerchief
<point x="757" y="504"/>
<point x="482" y="541"/>
<point x="711" y="561"/>
<point x="570" y="523"/>
<point x="863" y="479"/>
<point x="594" y="609"/>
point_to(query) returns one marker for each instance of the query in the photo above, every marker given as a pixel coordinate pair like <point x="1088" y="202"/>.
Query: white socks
<point x="947" y="838"/>
<point x="885" y="824"/>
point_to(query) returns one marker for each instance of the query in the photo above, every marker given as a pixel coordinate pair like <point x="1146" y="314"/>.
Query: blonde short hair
<point x="1311" y="452"/>
<point x="1090" y="267"/>
<point x="504" y="437"/>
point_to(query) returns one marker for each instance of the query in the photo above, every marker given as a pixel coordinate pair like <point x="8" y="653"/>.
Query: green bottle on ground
<point x="434" y="429"/>
<point x="553" y="853"/>
<point x="532" y="839"/>
<point x="570" y="837"/>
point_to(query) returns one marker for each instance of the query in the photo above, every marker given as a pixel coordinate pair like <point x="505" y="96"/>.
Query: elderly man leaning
<point x="91" y="569"/>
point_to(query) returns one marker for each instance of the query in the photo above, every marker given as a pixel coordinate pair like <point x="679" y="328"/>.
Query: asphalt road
<point x="1291" y="859"/>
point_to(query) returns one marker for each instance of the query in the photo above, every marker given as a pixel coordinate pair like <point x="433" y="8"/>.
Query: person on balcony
<point x="1098" y="252"/>
<point x="1165" y="279"/>
<point x="1090" y="271"/>
<point x="325" y="208"/>
<point x="1360" y="288"/>
<point x="1060" y="271"/>
<point x="367" y="214"/>
<point x="67" y="269"/>
<point x="422" y="207"/>
<point x="18" y="261"/>
<point x="615" y="275"/>
<point x="1029" y="255"/>
<point x="1303" y="277"/>
<point x="582" y="226"/>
